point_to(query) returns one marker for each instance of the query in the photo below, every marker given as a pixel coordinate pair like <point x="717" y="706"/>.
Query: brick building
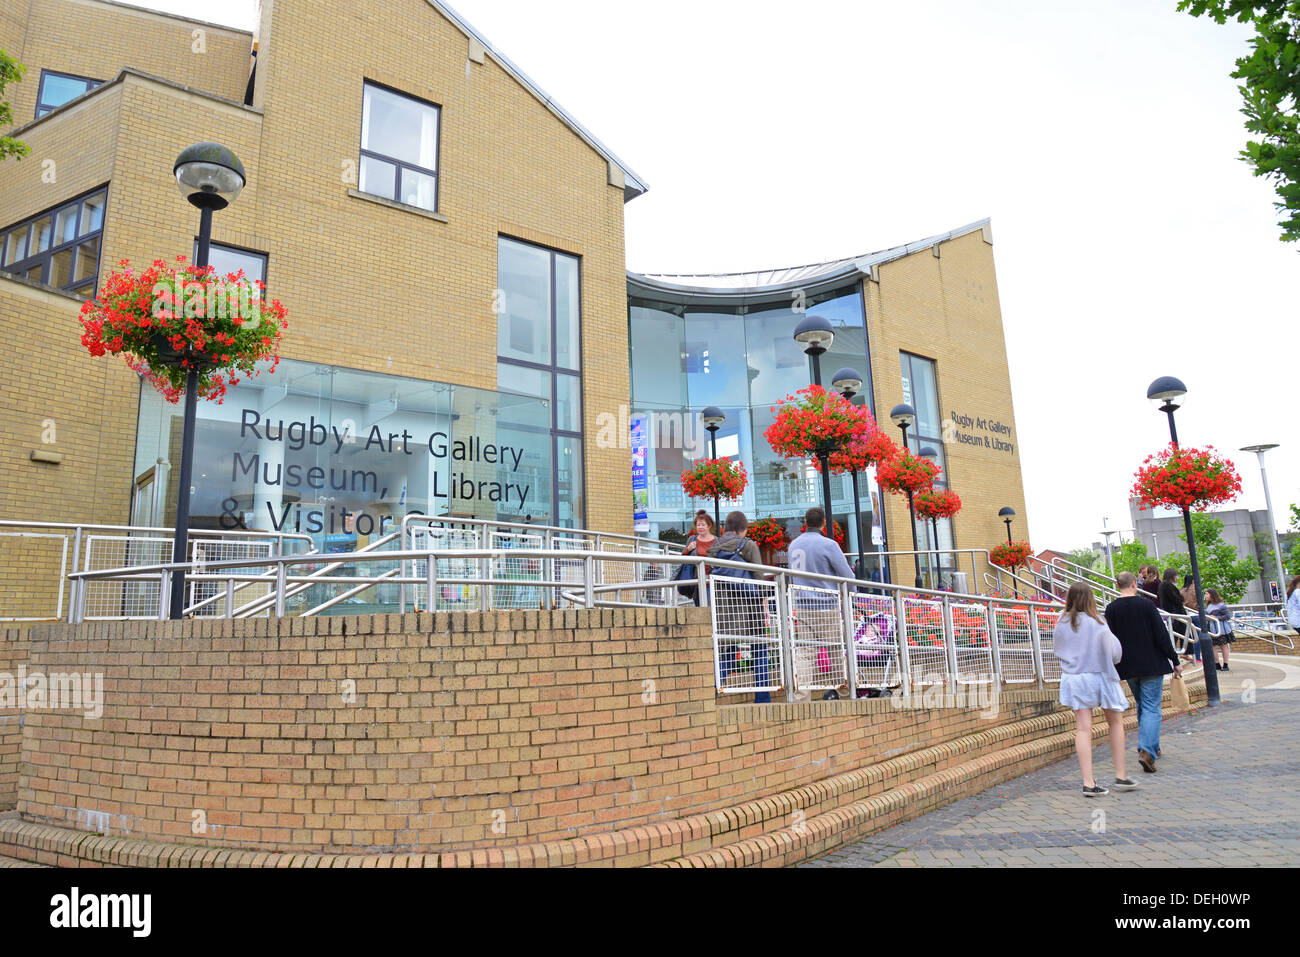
<point x="450" y="245"/>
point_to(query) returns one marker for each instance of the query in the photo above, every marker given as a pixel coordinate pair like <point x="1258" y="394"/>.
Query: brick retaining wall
<point x="468" y="730"/>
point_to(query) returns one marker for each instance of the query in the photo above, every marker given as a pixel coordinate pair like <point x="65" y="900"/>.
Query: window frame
<point x="554" y="372"/>
<point x="915" y="440"/>
<point x="399" y="164"/>
<point x="45" y="258"/>
<point x="266" y="258"/>
<point x="41" y="109"/>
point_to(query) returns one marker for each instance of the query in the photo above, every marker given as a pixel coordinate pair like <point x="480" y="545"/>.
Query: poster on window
<point x="877" y="515"/>
<point x="639" y="426"/>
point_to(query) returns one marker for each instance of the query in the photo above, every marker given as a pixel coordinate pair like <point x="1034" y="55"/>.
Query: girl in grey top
<point x="1088" y="653"/>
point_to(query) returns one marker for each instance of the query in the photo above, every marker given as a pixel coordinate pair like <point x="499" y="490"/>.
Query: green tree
<point x="1129" y="557"/>
<point x="1270" y="90"/>
<point x="1221" y="568"/>
<point x="11" y="71"/>
<point x="1083" y="557"/>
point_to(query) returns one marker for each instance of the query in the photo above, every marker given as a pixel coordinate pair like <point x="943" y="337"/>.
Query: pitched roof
<point x="633" y="185"/>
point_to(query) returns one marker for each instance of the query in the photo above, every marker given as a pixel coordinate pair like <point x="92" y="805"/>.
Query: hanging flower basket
<point x="813" y="421"/>
<point x="837" y="533"/>
<point x="906" y="473"/>
<point x="1010" y="554"/>
<point x="861" y="453"/>
<point x="937" y="503"/>
<point x="1188" y="478"/>
<point x="720" y="478"/>
<point x="768" y="533"/>
<point x="171" y="319"/>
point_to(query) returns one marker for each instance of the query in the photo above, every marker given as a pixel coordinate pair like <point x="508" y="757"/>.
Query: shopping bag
<point x="1178" y="696"/>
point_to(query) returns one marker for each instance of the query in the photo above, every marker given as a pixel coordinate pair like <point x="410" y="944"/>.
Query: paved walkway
<point x="1226" y="793"/>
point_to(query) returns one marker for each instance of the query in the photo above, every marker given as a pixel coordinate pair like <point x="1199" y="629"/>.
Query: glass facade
<point x="741" y="357"/>
<point x="343" y="455"/>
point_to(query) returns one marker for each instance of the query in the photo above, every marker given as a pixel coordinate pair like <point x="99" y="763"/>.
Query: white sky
<point x="1101" y="136"/>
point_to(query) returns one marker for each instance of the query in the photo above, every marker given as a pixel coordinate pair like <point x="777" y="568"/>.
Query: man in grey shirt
<point x="819" y="626"/>
<point x="815" y="551"/>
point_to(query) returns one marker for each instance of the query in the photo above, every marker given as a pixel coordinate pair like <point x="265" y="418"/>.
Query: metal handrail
<point x="591" y="594"/>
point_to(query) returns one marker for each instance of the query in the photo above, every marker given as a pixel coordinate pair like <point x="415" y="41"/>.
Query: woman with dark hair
<point x="1217" y="608"/>
<point x="1171" y="601"/>
<point x="1293" y="602"/>
<point x="1088" y="652"/>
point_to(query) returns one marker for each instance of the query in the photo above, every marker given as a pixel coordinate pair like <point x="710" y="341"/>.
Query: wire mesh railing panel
<point x="205" y="552"/>
<point x="30" y="595"/>
<point x="974" y="643"/>
<point x="817" y="639"/>
<point x="875" y="641"/>
<point x="505" y="565"/>
<point x="926" y="648"/>
<point x="1015" y="644"/>
<point x="746" y="635"/>
<point x="123" y="599"/>
<point x="567" y="570"/>
<point x="1046" y="621"/>
<point x="447" y="597"/>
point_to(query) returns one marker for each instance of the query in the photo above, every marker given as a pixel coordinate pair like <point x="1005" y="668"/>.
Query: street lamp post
<point x="930" y="455"/>
<point x="847" y="382"/>
<point x="1166" y="393"/>
<point x="1259" y="450"/>
<point x="903" y="415"/>
<point x="714" y="417"/>
<point x="815" y="335"/>
<point x="210" y="177"/>
<point x="1007" y="513"/>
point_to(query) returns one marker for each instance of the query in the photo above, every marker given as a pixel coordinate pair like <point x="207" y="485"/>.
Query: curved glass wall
<point x="741" y="357"/>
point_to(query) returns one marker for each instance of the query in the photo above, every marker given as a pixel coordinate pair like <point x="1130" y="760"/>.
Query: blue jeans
<point x="1148" y="692"/>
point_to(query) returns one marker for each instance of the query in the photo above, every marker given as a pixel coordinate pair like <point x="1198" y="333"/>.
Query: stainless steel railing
<point x="802" y="633"/>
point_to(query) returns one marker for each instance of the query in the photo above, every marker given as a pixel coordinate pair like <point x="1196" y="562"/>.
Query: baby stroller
<point x="873" y="645"/>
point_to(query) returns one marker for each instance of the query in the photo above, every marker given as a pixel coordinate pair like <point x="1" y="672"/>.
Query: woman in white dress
<point x="1088" y="652"/>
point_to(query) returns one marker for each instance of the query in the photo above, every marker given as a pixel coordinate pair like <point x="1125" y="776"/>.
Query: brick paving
<point x="1226" y="793"/>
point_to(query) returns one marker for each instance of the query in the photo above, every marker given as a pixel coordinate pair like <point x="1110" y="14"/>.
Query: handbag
<point x="685" y="573"/>
<point x="1178" y="696"/>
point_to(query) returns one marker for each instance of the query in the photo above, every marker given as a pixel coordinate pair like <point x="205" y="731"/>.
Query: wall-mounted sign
<point x="978" y="431"/>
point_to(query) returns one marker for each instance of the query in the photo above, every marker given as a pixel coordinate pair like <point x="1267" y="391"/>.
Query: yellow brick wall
<point x="946" y="309"/>
<point x="456" y="731"/>
<point x="96" y="39"/>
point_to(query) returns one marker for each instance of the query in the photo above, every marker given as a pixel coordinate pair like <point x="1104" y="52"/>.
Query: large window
<point x="399" y="147"/>
<point x="59" y="247"/>
<point x="58" y="88"/>
<point x="921" y="391"/>
<point x="539" y="352"/>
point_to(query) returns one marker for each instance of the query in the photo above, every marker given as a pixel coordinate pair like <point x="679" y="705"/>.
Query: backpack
<point x="740" y="588"/>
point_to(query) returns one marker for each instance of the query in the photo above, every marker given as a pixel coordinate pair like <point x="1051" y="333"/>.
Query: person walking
<point x="1148" y="656"/>
<point x="1293" y="603"/>
<point x="1088" y="651"/>
<point x="819" y="626"/>
<point x="1216" y="608"/>
<point x="1171" y="601"/>
<point x="742" y="611"/>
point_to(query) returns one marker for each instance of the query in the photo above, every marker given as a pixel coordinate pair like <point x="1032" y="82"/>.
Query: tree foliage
<point x="1221" y="568"/>
<point x="11" y="71"/>
<point x="1129" y="557"/>
<point x="1083" y="557"/>
<point x="1270" y="90"/>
